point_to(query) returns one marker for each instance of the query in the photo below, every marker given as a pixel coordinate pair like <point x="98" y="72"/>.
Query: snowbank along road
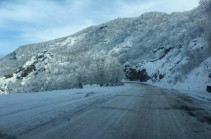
<point x="129" y="112"/>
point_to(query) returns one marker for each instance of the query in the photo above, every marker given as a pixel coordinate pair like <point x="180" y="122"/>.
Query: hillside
<point x="159" y="48"/>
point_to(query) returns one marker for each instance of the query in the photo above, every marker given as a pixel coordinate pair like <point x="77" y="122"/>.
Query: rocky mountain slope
<point x="169" y="49"/>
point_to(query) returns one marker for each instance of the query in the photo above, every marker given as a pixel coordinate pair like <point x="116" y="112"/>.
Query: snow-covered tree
<point x="100" y="61"/>
<point x="115" y="71"/>
<point x="206" y="8"/>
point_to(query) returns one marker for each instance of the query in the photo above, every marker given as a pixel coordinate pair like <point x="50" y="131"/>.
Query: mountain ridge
<point x="158" y="43"/>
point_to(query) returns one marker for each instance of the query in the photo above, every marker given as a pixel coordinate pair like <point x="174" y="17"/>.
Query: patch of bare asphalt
<point x="200" y="114"/>
<point x="187" y="104"/>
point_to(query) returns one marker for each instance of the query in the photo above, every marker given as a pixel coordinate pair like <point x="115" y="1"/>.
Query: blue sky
<point x="30" y="21"/>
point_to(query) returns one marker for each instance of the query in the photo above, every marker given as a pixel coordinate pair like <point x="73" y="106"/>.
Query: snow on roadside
<point x="195" y="83"/>
<point x="45" y="97"/>
<point x="31" y="109"/>
<point x="201" y="95"/>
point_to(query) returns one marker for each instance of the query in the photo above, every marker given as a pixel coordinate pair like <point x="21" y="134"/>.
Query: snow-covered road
<point x="132" y="111"/>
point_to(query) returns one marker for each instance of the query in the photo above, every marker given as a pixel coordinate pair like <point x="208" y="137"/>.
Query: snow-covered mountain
<point x="165" y="49"/>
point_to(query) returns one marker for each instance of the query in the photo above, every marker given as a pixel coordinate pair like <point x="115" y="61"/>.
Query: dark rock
<point x="41" y="56"/>
<point x="158" y="49"/>
<point x="25" y="72"/>
<point x="209" y="89"/>
<point x="157" y="77"/>
<point x="135" y="75"/>
<point x="28" y="70"/>
<point x="102" y="27"/>
<point x="161" y="76"/>
<point x="168" y="50"/>
<point x="209" y="75"/>
<point x="19" y="70"/>
<point x="8" y="76"/>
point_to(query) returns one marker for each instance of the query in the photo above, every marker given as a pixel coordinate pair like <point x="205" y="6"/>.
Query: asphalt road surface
<point x="142" y="112"/>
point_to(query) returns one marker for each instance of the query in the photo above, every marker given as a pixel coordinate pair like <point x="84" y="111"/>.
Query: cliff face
<point x="160" y="48"/>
